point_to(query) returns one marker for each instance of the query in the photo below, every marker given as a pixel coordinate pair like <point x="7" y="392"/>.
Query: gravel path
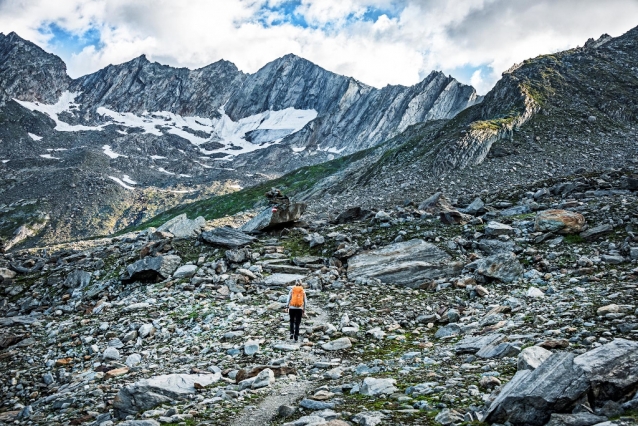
<point x="281" y="394"/>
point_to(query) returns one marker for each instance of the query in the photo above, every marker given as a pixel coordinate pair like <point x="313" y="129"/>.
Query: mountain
<point x="119" y="145"/>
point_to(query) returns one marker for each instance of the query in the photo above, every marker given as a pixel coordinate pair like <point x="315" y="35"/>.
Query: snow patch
<point x="108" y="151"/>
<point x="56" y="149"/>
<point x="297" y="149"/>
<point x="5" y="161"/>
<point x="127" y="179"/>
<point x="163" y="170"/>
<point x="64" y="104"/>
<point x="119" y="182"/>
<point x="49" y="157"/>
<point x="157" y="157"/>
<point x="35" y="137"/>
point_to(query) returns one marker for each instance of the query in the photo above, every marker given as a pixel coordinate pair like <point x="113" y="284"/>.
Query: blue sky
<point x="379" y="42"/>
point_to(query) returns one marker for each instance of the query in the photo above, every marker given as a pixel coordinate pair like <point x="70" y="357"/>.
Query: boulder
<point x="185" y="271"/>
<point x="559" y="221"/>
<point x="337" y="345"/>
<point x="607" y="373"/>
<point x="407" y="263"/>
<point x="78" y="279"/>
<point x="265" y="378"/>
<point x="183" y="227"/>
<point x="237" y="256"/>
<point x="350" y="215"/>
<point x="473" y="344"/>
<point x="275" y="216"/>
<point x="577" y="419"/>
<point x="531" y="396"/>
<point x="530" y="358"/>
<point x="226" y="237"/>
<point x="148" y="393"/>
<point x="596" y="232"/>
<point x="373" y="387"/>
<point x="7" y="274"/>
<point x="451" y="329"/>
<point x="498" y="350"/>
<point x="477" y="206"/>
<point x="454" y="217"/>
<point x="502" y="266"/>
<point x="251" y="347"/>
<point x="494" y="229"/>
<point x="436" y="204"/>
<point x="282" y="279"/>
<point x="490" y="247"/>
<point x="152" y="268"/>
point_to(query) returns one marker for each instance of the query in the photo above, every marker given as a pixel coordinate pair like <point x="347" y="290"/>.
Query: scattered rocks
<point x="560" y="221"/>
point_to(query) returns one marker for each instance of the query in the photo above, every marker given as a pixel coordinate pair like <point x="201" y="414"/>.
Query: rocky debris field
<point x="518" y="308"/>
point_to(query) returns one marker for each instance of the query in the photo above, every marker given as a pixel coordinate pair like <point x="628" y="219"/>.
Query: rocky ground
<point x="520" y="307"/>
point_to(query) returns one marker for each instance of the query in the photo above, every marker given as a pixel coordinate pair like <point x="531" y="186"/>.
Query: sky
<point x="378" y="42"/>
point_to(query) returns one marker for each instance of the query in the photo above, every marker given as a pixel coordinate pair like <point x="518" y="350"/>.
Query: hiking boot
<point x="292" y="337"/>
<point x="296" y="339"/>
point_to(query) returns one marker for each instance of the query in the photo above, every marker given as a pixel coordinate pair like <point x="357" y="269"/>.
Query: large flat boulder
<point x="531" y="396"/>
<point x="227" y="237"/>
<point x="183" y="227"/>
<point x="282" y="279"/>
<point x="149" y="393"/>
<point x="152" y="268"/>
<point x="275" y="216"/>
<point x="560" y="221"/>
<point x="408" y="263"/>
<point x="501" y="266"/>
<point x="607" y="373"/>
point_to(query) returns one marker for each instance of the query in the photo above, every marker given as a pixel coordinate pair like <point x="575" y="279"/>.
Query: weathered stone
<point x="146" y="330"/>
<point x="448" y="330"/>
<point x="578" y="419"/>
<point x="559" y="221"/>
<point x="78" y="279"/>
<point x="494" y="229"/>
<point x="498" y="350"/>
<point x="275" y="216"/>
<point x="490" y="247"/>
<point x="475" y="207"/>
<point x="531" y="396"/>
<point x="534" y="293"/>
<point x="337" y="345"/>
<point x="596" y="232"/>
<point x="265" y="378"/>
<point x="185" y="271"/>
<point x="407" y="263"/>
<point x="473" y="344"/>
<point x="226" y="237"/>
<point x="311" y="404"/>
<point x="111" y="353"/>
<point x="373" y="387"/>
<point x="368" y="418"/>
<point x="182" y="227"/>
<point x="502" y="266"/>
<point x="447" y="417"/>
<point x="152" y="268"/>
<point x="282" y="279"/>
<point x="530" y="358"/>
<point x="251" y="347"/>
<point x="147" y="422"/>
<point x="148" y="393"/>
<point x="454" y="217"/>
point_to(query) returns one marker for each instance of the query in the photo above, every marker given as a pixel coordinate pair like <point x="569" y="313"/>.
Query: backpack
<point x="296" y="300"/>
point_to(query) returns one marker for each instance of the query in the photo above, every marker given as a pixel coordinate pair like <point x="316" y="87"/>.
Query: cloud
<point x="376" y="41"/>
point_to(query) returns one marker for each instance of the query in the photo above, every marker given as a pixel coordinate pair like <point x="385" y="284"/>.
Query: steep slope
<point x="29" y="73"/>
<point x="554" y="115"/>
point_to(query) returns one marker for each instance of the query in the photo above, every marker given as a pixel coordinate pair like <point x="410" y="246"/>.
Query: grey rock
<point x="490" y="247"/>
<point x="182" y="227"/>
<point x="513" y="211"/>
<point x="502" y="266"/>
<point x="237" y="256"/>
<point x="368" y="418"/>
<point x="531" y="396"/>
<point x="185" y="271"/>
<point x="275" y="216"/>
<point x="251" y="347"/>
<point x="226" y="237"/>
<point x="337" y="345"/>
<point x="494" y="229"/>
<point x="498" y="350"/>
<point x="78" y="279"/>
<point x="147" y="422"/>
<point x="475" y="207"/>
<point x="311" y="404"/>
<point x="152" y="268"/>
<point x="282" y="279"/>
<point x="448" y="417"/>
<point x="473" y="344"/>
<point x="132" y="360"/>
<point x="407" y="263"/>
<point x="111" y="353"/>
<point x="577" y="419"/>
<point x="266" y="377"/>
<point x="597" y="231"/>
<point x="148" y="393"/>
<point x="146" y="330"/>
<point x="373" y="387"/>
<point x="531" y="357"/>
<point x="448" y="330"/>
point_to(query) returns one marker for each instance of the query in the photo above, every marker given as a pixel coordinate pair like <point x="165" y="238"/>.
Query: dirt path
<point x="287" y="393"/>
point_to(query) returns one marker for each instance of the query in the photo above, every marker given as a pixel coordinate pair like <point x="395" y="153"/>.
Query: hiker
<point x="296" y="307"/>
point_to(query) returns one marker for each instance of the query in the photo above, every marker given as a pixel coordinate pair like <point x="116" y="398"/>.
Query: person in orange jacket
<point x="296" y="307"/>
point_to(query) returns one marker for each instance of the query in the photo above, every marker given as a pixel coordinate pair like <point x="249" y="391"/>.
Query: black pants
<point x="295" y="320"/>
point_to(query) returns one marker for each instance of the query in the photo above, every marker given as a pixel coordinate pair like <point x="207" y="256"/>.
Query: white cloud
<point x="408" y="39"/>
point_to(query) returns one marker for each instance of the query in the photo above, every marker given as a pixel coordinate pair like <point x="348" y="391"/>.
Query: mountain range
<point x="131" y="139"/>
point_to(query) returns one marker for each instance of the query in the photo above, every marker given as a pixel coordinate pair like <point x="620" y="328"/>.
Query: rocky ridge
<point x="147" y="328"/>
